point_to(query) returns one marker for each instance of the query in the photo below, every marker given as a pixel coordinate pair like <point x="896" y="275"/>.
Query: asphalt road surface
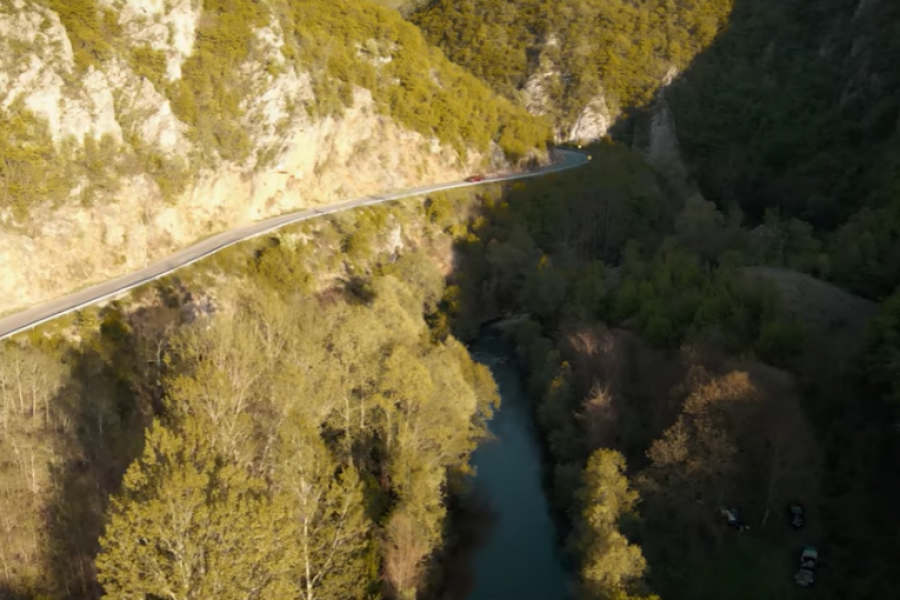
<point x="27" y="319"/>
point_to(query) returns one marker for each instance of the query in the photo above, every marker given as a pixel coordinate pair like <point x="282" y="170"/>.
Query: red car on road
<point x="475" y="178"/>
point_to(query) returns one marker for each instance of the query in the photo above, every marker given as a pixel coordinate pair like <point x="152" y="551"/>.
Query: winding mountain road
<point x="27" y="319"/>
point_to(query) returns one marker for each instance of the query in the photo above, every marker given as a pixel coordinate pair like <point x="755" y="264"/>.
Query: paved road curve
<point x="17" y="322"/>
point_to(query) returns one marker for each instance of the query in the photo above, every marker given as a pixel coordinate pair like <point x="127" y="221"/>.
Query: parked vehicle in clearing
<point x="809" y="558"/>
<point x="797" y="515"/>
<point x="475" y="178"/>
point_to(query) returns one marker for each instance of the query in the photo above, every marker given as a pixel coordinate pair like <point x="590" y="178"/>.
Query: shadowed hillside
<point x="794" y="108"/>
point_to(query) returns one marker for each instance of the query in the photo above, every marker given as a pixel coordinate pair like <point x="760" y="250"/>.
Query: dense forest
<point x="792" y="116"/>
<point x="782" y="108"/>
<point x="291" y="434"/>
<point x="628" y="294"/>
<point x="794" y="109"/>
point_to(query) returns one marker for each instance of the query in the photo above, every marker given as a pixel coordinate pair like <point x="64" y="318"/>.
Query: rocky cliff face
<point x="656" y="136"/>
<point x="541" y="96"/>
<point x="91" y="232"/>
<point x="592" y="121"/>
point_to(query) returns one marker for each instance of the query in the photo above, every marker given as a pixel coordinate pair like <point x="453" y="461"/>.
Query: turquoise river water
<point x="520" y="559"/>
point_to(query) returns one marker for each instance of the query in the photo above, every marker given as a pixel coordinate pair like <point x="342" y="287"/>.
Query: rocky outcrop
<point x="164" y="25"/>
<point x="662" y="147"/>
<point x="535" y="96"/>
<point x="594" y="121"/>
<point x="37" y="69"/>
<point x="656" y="136"/>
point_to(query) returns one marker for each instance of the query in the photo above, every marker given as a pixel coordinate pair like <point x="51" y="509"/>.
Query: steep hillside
<point x="795" y="108"/>
<point x="792" y="115"/>
<point x="131" y="128"/>
<point x="581" y="62"/>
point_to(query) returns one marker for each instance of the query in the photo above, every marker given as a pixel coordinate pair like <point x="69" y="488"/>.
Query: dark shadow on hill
<point x="794" y="109"/>
<point x="113" y="393"/>
<point x="791" y="105"/>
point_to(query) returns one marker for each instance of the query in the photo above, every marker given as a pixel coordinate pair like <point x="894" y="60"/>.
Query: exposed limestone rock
<point x="37" y="68"/>
<point x="594" y="121"/>
<point x="535" y="95"/>
<point x="268" y="113"/>
<point x="536" y="99"/>
<point x="663" y="140"/>
<point x="92" y="111"/>
<point x="669" y="76"/>
<point x="659" y="141"/>
<point x="144" y="111"/>
<point x="394" y="243"/>
<point x="166" y="25"/>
